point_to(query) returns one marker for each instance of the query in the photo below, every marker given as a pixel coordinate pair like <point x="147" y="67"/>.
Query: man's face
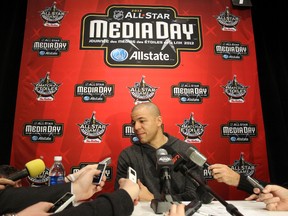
<point x="146" y="125"/>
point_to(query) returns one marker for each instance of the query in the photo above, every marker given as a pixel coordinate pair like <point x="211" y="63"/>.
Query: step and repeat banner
<point x="85" y="64"/>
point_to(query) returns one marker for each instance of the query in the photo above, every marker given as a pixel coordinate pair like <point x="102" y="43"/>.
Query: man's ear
<point x="159" y="120"/>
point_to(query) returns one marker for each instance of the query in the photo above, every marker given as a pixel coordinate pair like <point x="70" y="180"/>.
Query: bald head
<point x="149" y="106"/>
<point x="147" y="124"/>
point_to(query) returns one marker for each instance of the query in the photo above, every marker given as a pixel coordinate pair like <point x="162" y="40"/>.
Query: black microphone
<point x="200" y="160"/>
<point x="163" y="166"/>
<point x="182" y="164"/>
<point x="32" y="168"/>
<point x="178" y="160"/>
<point x="164" y="161"/>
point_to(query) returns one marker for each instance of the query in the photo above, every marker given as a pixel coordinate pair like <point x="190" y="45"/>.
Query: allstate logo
<point x="119" y="54"/>
<point x="34" y="138"/>
<point x="86" y="98"/>
<point x="183" y="99"/>
<point x="42" y="53"/>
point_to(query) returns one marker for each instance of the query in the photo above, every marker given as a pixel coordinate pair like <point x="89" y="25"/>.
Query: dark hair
<point x="6" y="170"/>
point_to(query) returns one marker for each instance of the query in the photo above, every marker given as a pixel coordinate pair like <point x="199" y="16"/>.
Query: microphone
<point x="196" y="157"/>
<point x="178" y="160"/>
<point x="180" y="163"/>
<point x="32" y="168"/>
<point x="199" y="159"/>
<point x="163" y="165"/>
<point x="164" y="161"/>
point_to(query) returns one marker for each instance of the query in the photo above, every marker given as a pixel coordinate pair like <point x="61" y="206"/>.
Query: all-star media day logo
<point x="46" y="88"/>
<point x="142" y="92"/>
<point x="94" y="91"/>
<point x="243" y="167"/>
<point x="189" y="92"/>
<point x="239" y="131"/>
<point x="108" y="170"/>
<point x="192" y="130"/>
<point x="231" y="50"/>
<point x="51" y="47"/>
<point x="141" y="36"/>
<point x="43" y="130"/>
<point x="52" y="16"/>
<point x="128" y="132"/>
<point x="40" y="180"/>
<point x="227" y="20"/>
<point x="240" y="166"/>
<point x="92" y="130"/>
<point x="235" y="91"/>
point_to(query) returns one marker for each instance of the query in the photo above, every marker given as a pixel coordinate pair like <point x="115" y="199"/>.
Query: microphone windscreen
<point x="196" y="156"/>
<point x="35" y="167"/>
<point x="161" y="151"/>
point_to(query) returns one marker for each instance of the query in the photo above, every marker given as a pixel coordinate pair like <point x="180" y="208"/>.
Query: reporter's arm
<point x="38" y="209"/>
<point x="116" y="203"/>
<point x="16" y="199"/>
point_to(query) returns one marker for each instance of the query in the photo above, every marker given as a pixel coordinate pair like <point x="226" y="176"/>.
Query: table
<point x="215" y="208"/>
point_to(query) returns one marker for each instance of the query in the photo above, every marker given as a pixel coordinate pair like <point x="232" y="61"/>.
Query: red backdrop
<point x="86" y="63"/>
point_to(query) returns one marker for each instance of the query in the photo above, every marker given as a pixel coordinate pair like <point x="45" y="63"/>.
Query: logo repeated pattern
<point x="135" y="44"/>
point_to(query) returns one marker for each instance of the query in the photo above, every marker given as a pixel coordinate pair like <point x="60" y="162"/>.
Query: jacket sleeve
<point x="16" y="199"/>
<point x="117" y="203"/>
<point x="246" y="186"/>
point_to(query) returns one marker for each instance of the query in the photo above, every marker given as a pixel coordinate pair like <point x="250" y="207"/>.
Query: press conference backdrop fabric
<point x="85" y="64"/>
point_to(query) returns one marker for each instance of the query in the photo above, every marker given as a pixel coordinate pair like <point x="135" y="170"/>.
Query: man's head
<point x="147" y="122"/>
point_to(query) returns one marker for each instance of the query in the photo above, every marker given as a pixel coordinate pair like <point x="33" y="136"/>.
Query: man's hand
<point x="145" y="194"/>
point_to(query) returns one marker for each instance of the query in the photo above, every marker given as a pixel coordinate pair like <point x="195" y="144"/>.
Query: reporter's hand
<point x="5" y="181"/>
<point x="252" y="197"/>
<point x="74" y="176"/>
<point x="83" y="187"/>
<point x="176" y="210"/>
<point x="275" y="197"/>
<point x="145" y="194"/>
<point x="38" y="209"/>
<point x="223" y="173"/>
<point x="132" y="189"/>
